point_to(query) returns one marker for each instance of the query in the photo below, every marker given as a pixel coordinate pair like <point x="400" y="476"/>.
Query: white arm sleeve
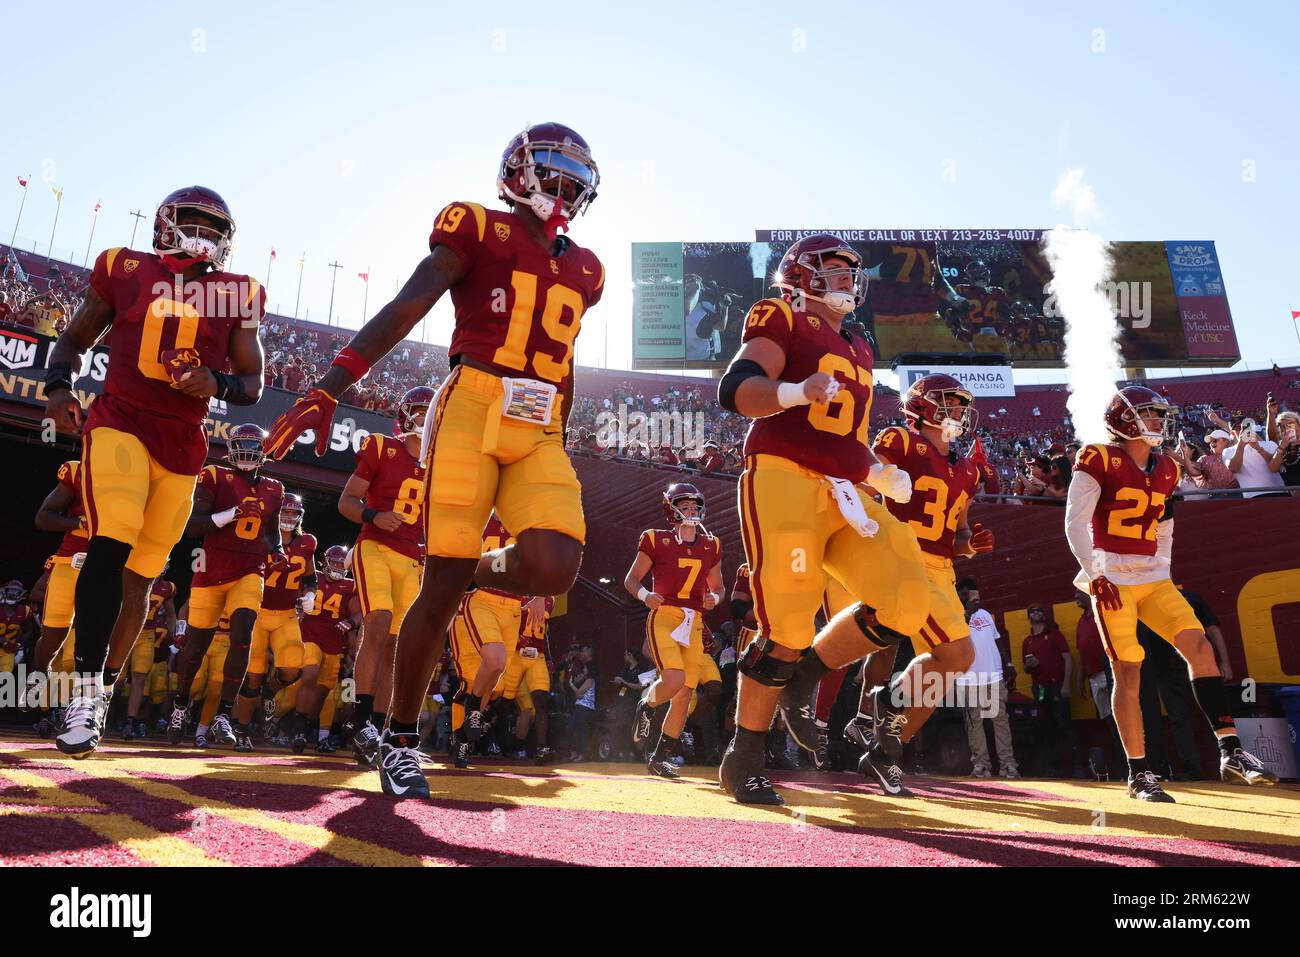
<point x="1165" y="542"/>
<point x="1080" y="503"/>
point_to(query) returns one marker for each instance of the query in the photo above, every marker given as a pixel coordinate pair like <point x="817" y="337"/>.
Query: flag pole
<point x="365" y="297"/>
<point x="93" y="223"/>
<point x="266" y="279"/>
<point x="27" y="184"/>
<point x="58" y="205"/>
<point x="298" y="298"/>
<point x="336" y="266"/>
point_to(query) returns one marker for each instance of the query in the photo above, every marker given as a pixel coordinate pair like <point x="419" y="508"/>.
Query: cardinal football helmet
<point x="683" y="492"/>
<point x="291" y="514"/>
<point x="1124" y="415"/>
<point x="804" y="271"/>
<point x="244" y="448"/>
<point x="13" y="592"/>
<point x="412" y="410"/>
<point x="336" y="562"/>
<point x="182" y="244"/>
<point x="548" y="167"/>
<point x="926" y="400"/>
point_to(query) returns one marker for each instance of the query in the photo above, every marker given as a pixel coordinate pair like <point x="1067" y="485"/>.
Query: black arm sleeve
<point x="737" y="373"/>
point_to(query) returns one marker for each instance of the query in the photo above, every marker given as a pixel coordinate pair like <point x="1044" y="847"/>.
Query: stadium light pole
<point x="25" y="182"/>
<point x="93" y="223"/>
<point x="336" y="266"/>
<point x="138" y="216"/>
<point x="298" y="298"/>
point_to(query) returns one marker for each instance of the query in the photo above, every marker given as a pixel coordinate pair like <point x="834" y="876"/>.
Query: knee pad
<point x="246" y="692"/>
<point x="864" y="616"/>
<point x="758" y="664"/>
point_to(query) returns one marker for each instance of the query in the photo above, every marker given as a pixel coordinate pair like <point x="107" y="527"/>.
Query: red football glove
<point x="315" y="411"/>
<point x="277" y="562"/>
<point x="981" y="538"/>
<point x="344" y="626"/>
<point x="248" y="508"/>
<point x="177" y="362"/>
<point x="1106" y="593"/>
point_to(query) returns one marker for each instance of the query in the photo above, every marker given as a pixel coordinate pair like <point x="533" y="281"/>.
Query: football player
<point x="1120" y="526"/>
<point x="684" y="562"/>
<point x="49" y="686"/>
<point x="987" y="306"/>
<point x="484" y="637"/>
<point x="528" y="672"/>
<point x="236" y="510"/>
<point x="172" y="318"/>
<point x="495" y="438"/>
<point x="385" y="495"/>
<point x="939" y="410"/>
<point x="61" y="511"/>
<point x="334" y="615"/>
<point x="207" y="682"/>
<point x="287" y="587"/>
<point x="907" y="292"/>
<point x="15" y="622"/>
<point x="160" y="626"/>
<point x="808" y="387"/>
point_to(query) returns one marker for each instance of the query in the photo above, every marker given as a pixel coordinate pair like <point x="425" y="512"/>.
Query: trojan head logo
<point x="814" y="322"/>
<point x="130" y="264"/>
<point x="502" y="230"/>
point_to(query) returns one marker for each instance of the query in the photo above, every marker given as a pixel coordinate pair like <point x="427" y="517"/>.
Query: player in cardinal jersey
<point x="237" y="512"/>
<point x="15" y="620"/>
<point x="334" y="615"/>
<point x="684" y="562"/>
<point x="987" y="307"/>
<point x="385" y="495"/>
<point x="484" y="636"/>
<point x="906" y="293"/>
<point x="180" y="331"/>
<point x="495" y="437"/>
<point x="61" y="511"/>
<point x="807" y="385"/>
<point x="1119" y="523"/>
<point x="160" y="625"/>
<point x="527" y="671"/>
<point x="285" y="585"/>
<point x="939" y="410"/>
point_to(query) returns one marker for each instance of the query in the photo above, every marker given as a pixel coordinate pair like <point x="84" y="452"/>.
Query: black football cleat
<point x="822" y="754"/>
<point x="220" y="732"/>
<point x="299" y="743"/>
<point x="799" y="713"/>
<point x="1146" y="787"/>
<point x="400" y="774"/>
<point x="876" y="765"/>
<point x="460" y="754"/>
<point x="201" y="741"/>
<point x="889" y="722"/>
<point x="243" y="741"/>
<point x="642" y="722"/>
<point x="365" y="745"/>
<point x="1243" y="766"/>
<point x="472" y="729"/>
<point x="176" y="726"/>
<point x="663" y="768"/>
<point x="325" y="746"/>
<point x="861" y="731"/>
<point x="746" y="785"/>
<point x="544" y="755"/>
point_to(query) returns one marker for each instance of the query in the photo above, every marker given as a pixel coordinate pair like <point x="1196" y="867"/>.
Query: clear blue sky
<point x="340" y="129"/>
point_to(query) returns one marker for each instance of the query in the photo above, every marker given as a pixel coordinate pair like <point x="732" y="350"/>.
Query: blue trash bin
<point x="1290" y="700"/>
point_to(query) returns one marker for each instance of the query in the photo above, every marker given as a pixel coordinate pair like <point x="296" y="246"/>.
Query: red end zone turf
<point x="152" y="804"/>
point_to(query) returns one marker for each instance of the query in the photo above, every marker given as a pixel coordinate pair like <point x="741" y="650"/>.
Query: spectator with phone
<point x="1255" y="462"/>
<point x="1284" y="429"/>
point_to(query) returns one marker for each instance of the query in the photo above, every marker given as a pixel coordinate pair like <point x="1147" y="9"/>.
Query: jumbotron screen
<point x="936" y="290"/>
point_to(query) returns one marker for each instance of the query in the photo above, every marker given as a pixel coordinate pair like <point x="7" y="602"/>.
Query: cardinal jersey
<point x="74" y="540"/>
<point x="162" y="592"/>
<point x="152" y="316"/>
<point x="496" y="536"/>
<point x="535" y="637"/>
<point x="830" y="439"/>
<point x="396" y="485"/>
<point x="12" y="619"/>
<point x="1132" y="501"/>
<point x="321" y="625"/>
<point x="280" y="591"/>
<point x="906" y="281"/>
<point x="942" y="486"/>
<point x="986" y="308"/>
<point x="680" y="571"/>
<point x="239" y="548"/>
<point x="518" y="309"/>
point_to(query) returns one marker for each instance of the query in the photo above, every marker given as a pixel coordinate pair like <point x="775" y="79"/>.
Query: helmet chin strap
<point x="951" y="429"/>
